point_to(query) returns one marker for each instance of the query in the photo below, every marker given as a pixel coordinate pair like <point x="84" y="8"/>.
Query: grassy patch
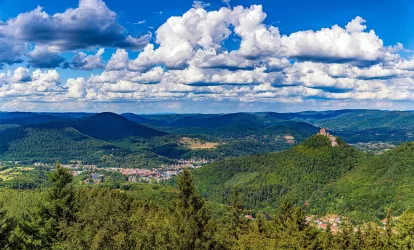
<point x="196" y="143"/>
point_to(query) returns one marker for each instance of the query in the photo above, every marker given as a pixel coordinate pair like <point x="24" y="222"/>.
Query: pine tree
<point x="326" y="238"/>
<point x="262" y="224"/>
<point x="44" y="227"/>
<point x="388" y="239"/>
<point x="5" y="228"/>
<point x="29" y="233"/>
<point x="292" y="230"/>
<point x="372" y="237"/>
<point x="357" y="239"/>
<point x="194" y="230"/>
<point x="405" y="230"/>
<point x="236" y="220"/>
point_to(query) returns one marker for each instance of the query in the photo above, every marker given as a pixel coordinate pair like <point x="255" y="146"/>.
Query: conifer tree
<point x="262" y="224"/>
<point x="388" y="239"/>
<point x="357" y="238"/>
<point x="44" y="227"/>
<point x="344" y="238"/>
<point x="236" y="219"/>
<point x="29" y="233"/>
<point x="372" y="237"/>
<point x="194" y="230"/>
<point x="5" y="228"/>
<point x="59" y="209"/>
<point x="326" y="238"/>
<point x="405" y="230"/>
<point x="292" y="230"/>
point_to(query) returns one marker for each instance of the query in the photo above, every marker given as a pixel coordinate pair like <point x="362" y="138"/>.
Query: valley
<point x="340" y="177"/>
<point x="283" y="156"/>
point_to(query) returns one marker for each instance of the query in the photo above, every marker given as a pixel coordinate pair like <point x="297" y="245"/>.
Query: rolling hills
<point x="89" y="139"/>
<point x="50" y="143"/>
<point x="301" y="174"/>
<point x="325" y="179"/>
<point x="158" y="136"/>
<point x="377" y="182"/>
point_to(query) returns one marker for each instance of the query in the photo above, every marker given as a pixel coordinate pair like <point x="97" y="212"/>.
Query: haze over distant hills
<point x="238" y="133"/>
<point x="157" y="137"/>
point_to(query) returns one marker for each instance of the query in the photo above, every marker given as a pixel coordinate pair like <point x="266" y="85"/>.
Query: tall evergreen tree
<point x="292" y="230"/>
<point x="326" y="238"/>
<point x="237" y="219"/>
<point x="193" y="226"/>
<point x="5" y="228"/>
<point x="59" y="209"/>
<point x="44" y="227"/>
<point x="373" y="237"/>
<point x="405" y="230"/>
<point x="388" y="239"/>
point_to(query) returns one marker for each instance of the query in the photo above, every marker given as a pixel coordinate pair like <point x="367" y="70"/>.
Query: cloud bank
<point x="189" y="60"/>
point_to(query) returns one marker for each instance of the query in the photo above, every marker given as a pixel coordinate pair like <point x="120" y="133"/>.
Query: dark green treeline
<point x="102" y="218"/>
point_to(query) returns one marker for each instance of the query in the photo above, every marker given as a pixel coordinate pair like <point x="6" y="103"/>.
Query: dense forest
<point x="64" y="216"/>
<point x="300" y="174"/>
<point x="327" y="179"/>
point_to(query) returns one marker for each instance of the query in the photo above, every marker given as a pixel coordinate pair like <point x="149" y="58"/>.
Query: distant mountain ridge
<point x="236" y="134"/>
<point x="86" y="138"/>
<point x="110" y="126"/>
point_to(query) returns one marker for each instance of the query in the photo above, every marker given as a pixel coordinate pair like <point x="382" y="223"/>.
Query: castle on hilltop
<point x="332" y="138"/>
<point x="323" y="131"/>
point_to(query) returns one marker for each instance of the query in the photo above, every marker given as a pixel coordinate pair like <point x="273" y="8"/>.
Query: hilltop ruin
<point x="332" y="138"/>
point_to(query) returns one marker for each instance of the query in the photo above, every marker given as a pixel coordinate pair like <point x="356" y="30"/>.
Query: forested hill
<point x="89" y="139"/>
<point x="300" y="174"/>
<point x="378" y="182"/>
<point x="50" y="142"/>
<point x="325" y="179"/>
<point x="110" y="126"/>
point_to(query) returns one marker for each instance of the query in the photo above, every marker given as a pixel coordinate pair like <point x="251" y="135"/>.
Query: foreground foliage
<point x="101" y="218"/>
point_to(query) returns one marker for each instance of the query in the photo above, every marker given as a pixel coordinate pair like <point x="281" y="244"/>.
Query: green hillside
<point x="358" y="120"/>
<point x="325" y="179"/>
<point x="377" y="182"/>
<point x="300" y="174"/>
<point x="50" y="143"/>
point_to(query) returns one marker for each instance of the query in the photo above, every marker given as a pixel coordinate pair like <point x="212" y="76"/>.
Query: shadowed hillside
<point x="110" y="126"/>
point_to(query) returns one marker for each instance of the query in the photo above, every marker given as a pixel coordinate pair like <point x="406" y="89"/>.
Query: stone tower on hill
<point x="332" y="138"/>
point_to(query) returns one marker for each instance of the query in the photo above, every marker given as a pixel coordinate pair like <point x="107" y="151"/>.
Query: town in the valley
<point x="162" y="173"/>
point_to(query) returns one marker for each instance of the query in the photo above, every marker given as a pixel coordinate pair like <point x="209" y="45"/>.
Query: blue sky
<point x="205" y="56"/>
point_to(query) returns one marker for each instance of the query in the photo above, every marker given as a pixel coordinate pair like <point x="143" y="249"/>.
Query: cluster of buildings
<point x="374" y="147"/>
<point x="8" y="163"/>
<point x="331" y="220"/>
<point x="78" y="165"/>
<point x="163" y="173"/>
<point x="143" y="175"/>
